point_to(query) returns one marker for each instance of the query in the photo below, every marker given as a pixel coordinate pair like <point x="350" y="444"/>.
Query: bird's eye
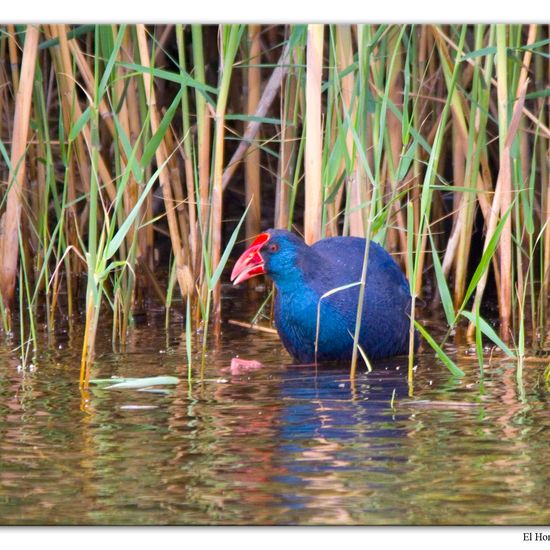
<point x="273" y="247"/>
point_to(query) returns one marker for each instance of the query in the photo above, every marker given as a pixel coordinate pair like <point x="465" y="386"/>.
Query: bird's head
<point x="276" y="253"/>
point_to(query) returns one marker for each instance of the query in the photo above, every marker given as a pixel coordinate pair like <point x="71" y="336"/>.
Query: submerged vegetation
<point x="117" y="140"/>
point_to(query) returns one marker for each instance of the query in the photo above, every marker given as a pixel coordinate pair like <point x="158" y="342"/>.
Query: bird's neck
<point x="307" y="268"/>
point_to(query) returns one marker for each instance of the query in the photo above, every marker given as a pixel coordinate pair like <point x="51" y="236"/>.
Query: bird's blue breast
<point x="296" y="318"/>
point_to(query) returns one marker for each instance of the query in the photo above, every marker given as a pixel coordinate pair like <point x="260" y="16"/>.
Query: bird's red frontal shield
<point x="250" y="263"/>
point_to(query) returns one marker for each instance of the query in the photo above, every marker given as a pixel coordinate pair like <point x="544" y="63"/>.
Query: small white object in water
<point x="221" y="381"/>
<point x="31" y="367"/>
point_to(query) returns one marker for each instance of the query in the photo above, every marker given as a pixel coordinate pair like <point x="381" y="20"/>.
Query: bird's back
<point x="345" y="256"/>
<point x="337" y="262"/>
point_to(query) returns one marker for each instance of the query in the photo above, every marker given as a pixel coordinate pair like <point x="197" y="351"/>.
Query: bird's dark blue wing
<point x="386" y="306"/>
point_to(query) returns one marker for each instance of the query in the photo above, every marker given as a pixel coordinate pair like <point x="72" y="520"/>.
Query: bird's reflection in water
<point x="326" y="402"/>
<point x="331" y="427"/>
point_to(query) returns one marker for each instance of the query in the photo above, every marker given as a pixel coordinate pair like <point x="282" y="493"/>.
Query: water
<point x="278" y="445"/>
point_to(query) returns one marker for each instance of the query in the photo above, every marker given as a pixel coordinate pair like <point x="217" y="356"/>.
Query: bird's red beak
<point x="250" y="262"/>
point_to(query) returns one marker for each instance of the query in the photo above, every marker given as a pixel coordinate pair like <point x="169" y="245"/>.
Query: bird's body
<point x="309" y="308"/>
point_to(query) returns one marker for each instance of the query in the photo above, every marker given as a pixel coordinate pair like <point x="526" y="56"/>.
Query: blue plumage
<point x="303" y="274"/>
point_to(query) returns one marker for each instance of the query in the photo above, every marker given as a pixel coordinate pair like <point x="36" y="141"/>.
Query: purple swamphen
<point x="304" y="274"/>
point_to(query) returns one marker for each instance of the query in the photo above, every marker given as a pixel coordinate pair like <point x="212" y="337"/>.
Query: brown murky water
<point x="280" y="445"/>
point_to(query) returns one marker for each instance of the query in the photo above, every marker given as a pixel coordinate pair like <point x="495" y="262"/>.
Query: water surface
<point x="278" y="445"/>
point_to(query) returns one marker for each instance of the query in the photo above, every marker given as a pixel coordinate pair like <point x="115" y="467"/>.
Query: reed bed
<point x="119" y="139"/>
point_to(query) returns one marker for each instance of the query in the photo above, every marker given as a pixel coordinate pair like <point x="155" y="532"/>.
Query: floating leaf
<point x="136" y="383"/>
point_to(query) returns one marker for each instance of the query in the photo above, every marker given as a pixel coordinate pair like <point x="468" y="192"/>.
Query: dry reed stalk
<point x="520" y="219"/>
<point x="204" y="133"/>
<point x="194" y="244"/>
<point x="459" y="169"/>
<point x="194" y="241"/>
<point x="546" y="265"/>
<point x="484" y="190"/>
<point x="38" y="198"/>
<point x="11" y="219"/>
<point x="330" y="228"/>
<point x="175" y="179"/>
<point x="288" y="111"/>
<point x="363" y="194"/>
<point x="73" y="263"/>
<point x="4" y="104"/>
<point x="145" y="235"/>
<point x="130" y="197"/>
<point x="183" y="273"/>
<point x="416" y="198"/>
<point x="504" y="173"/>
<point x="314" y="136"/>
<point x="204" y="124"/>
<point x="270" y="92"/>
<point x="252" y="160"/>
<point x="396" y="235"/>
<point x="522" y="81"/>
<point x="464" y="211"/>
<point x="131" y="189"/>
<point x="505" y="244"/>
<point x="36" y="169"/>
<point x="227" y="58"/>
<point x="400" y="231"/>
<point x="86" y="72"/>
<point x="344" y="59"/>
<point x="88" y="349"/>
<point x="177" y="191"/>
<point x="421" y="262"/>
<point x="161" y="44"/>
<point x="464" y="203"/>
<point x="420" y="106"/>
<point x="187" y="155"/>
<point x="72" y="111"/>
<point x="71" y="227"/>
<point x="258" y="328"/>
<point x="366" y="125"/>
<point x="463" y="218"/>
<point x="14" y="60"/>
<point x="546" y="202"/>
